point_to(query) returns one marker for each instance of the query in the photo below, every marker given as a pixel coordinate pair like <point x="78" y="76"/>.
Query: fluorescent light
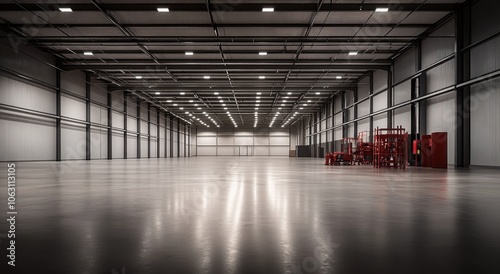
<point x="339" y="77"/>
<point x="305" y="105"/>
<point x="182" y="93"/>
<point x="259" y="93"/>
<point x="169" y="101"/>
<point x="138" y="77"/>
<point x="308" y="101"/>
<point x="216" y="93"/>
<point x="190" y="101"/>
<point x="352" y="53"/>
<point x="199" y="108"/>
<point x="262" y="53"/>
<point x="88" y="53"/>
<point x="65" y="9"/>
<point x="318" y="93"/>
<point x="206" y="77"/>
<point x="262" y="77"/>
<point x="289" y="93"/>
<point x="221" y="101"/>
<point x="381" y="9"/>
<point x="189" y="53"/>
<point x="175" y="105"/>
<point x="181" y="108"/>
<point x="163" y="10"/>
<point x="268" y="9"/>
<point x="157" y="93"/>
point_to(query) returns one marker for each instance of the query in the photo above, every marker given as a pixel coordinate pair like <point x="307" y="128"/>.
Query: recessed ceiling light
<point x="175" y="105"/>
<point x="88" y="53"/>
<point x="157" y="93"/>
<point x="206" y="77"/>
<point x="216" y="93"/>
<point x="187" y="112"/>
<point x="163" y="10"/>
<point x="195" y="105"/>
<point x="262" y="77"/>
<point x="221" y="101"/>
<point x="223" y="105"/>
<point x="280" y="108"/>
<point x="65" y="9"/>
<point x="259" y="93"/>
<point x="190" y="101"/>
<point x="189" y="53"/>
<point x="308" y="101"/>
<point x="138" y="77"/>
<point x="352" y="53"/>
<point x="256" y="108"/>
<point x="257" y="105"/>
<point x="182" y="93"/>
<point x="257" y="97"/>
<point x="218" y="97"/>
<point x="289" y="93"/>
<point x="282" y="105"/>
<point x="318" y="93"/>
<point x="169" y="101"/>
<point x="225" y="108"/>
<point x="268" y="9"/>
<point x="339" y="77"/>
<point x="381" y="9"/>
<point x="262" y="53"/>
<point x="181" y="108"/>
<point x="284" y="101"/>
<point x="305" y="105"/>
<point x="258" y="101"/>
<point x="301" y="108"/>
<point x="204" y="112"/>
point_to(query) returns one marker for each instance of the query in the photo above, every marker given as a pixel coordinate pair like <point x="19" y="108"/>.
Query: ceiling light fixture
<point x="88" y="53"/>
<point x="157" y="93"/>
<point x="189" y="53"/>
<point x="216" y="93"/>
<point x="268" y="9"/>
<point x="65" y="9"/>
<point x="262" y="53"/>
<point x="262" y="77"/>
<point x="138" y="77"/>
<point x="206" y="77"/>
<point x="381" y="9"/>
<point x="182" y="93"/>
<point x="339" y="77"/>
<point x="163" y="9"/>
<point x="352" y="53"/>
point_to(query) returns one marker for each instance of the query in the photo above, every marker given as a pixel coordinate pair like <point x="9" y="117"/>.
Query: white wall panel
<point x="435" y="49"/>
<point x="364" y="108"/>
<point x="243" y="140"/>
<point x="162" y="148"/>
<point x="402" y="117"/>
<point x="338" y="119"/>
<point x="278" y="151"/>
<point x="402" y="92"/>
<point x="337" y="134"/>
<point x="206" y="140"/>
<point x="154" y="128"/>
<point x="206" y="150"/>
<point x="485" y="126"/>
<point x="273" y="140"/>
<point x="379" y="80"/>
<point x="380" y="101"/>
<point x="364" y="88"/>
<point x="131" y="146"/>
<point x="73" y="81"/>
<point x="98" y="92"/>
<point x="153" y="150"/>
<point x="225" y="151"/>
<point x="98" y="115"/>
<point x="225" y="140"/>
<point x="99" y="143"/>
<point x="28" y="138"/>
<point x="118" y="145"/>
<point x="117" y="120"/>
<point x="144" y="127"/>
<point x="144" y="147"/>
<point x="485" y="58"/>
<point x="131" y="124"/>
<point x="19" y="94"/>
<point x="380" y="121"/>
<point x="261" y="150"/>
<point x="404" y="65"/>
<point x="261" y="140"/>
<point x="73" y="108"/>
<point x="73" y="142"/>
<point x="280" y="132"/>
<point x="364" y="125"/>
<point x="441" y="77"/>
<point x="132" y="106"/>
<point x="441" y="113"/>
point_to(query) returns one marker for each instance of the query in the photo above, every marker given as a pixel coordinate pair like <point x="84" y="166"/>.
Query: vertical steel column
<point x="158" y="134"/>
<point x="110" y="125"/>
<point x="355" y="110"/>
<point x="125" y="126"/>
<point x="185" y="140"/>
<point x="389" y="94"/>
<point x="166" y="137"/>
<point x="370" y="98"/>
<point x="88" y="144"/>
<point x="149" y="130"/>
<point x="178" y="137"/>
<point x="58" y="114"/>
<point x="463" y="39"/>
<point x="171" y="137"/>
<point x="345" y="114"/>
<point x="138" y="128"/>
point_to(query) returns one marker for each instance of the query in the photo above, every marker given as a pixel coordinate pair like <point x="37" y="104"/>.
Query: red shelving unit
<point x="390" y="148"/>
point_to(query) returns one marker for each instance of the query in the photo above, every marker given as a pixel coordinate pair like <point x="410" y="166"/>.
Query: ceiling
<point x="264" y="68"/>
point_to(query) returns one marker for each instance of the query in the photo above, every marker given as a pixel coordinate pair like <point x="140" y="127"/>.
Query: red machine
<point x="364" y="149"/>
<point x="345" y="155"/>
<point x="329" y="159"/>
<point x="390" y="148"/>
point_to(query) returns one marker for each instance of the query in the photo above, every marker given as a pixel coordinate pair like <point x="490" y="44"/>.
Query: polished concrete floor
<point x="252" y="215"/>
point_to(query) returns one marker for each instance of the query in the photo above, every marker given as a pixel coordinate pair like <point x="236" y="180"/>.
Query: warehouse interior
<point x="190" y="136"/>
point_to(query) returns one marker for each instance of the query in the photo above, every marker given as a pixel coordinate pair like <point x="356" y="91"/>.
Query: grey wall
<point x="28" y="114"/>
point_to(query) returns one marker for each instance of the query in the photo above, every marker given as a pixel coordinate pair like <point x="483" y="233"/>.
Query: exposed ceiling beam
<point x="252" y="25"/>
<point x="269" y="52"/>
<point x="202" y="67"/>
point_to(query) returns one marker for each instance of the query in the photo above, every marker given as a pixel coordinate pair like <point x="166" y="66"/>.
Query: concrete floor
<point x="252" y="215"/>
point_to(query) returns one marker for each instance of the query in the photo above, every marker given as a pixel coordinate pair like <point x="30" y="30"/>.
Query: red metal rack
<point x="390" y="148"/>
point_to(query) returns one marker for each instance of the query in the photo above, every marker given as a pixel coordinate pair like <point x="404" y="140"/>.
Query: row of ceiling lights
<point x="264" y="9"/>
<point x="190" y="53"/>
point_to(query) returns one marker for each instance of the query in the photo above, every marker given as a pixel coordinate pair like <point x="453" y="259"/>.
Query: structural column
<point x="58" y="114"/>
<point x="110" y="126"/>
<point x="149" y="130"/>
<point x="88" y="144"/>
<point x="125" y="119"/>
<point x="138" y="128"/>
<point x="370" y="98"/>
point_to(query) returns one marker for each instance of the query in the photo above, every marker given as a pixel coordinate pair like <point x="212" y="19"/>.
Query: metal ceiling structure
<point x="227" y="59"/>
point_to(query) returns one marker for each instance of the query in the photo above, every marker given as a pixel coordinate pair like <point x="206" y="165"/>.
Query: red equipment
<point x="345" y="156"/>
<point x="390" y="148"/>
<point x="426" y="145"/>
<point x="364" y="149"/>
<point x="439" y="150"/>
<point x="329" y="159"/>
